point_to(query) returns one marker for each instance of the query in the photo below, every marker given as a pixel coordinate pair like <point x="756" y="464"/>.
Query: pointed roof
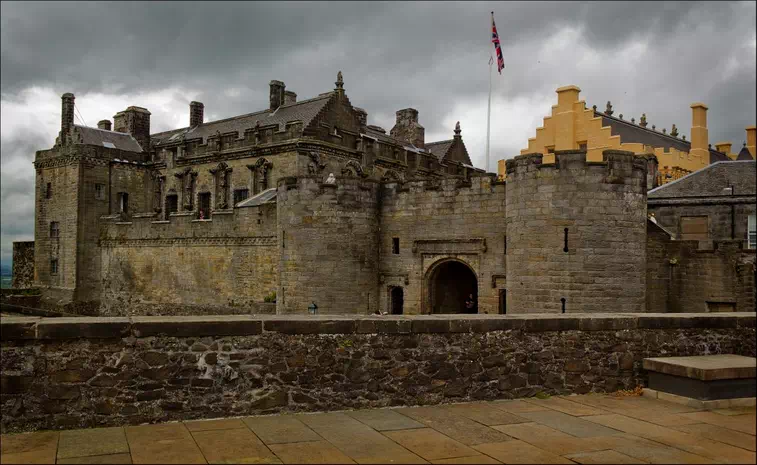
<point x="744" y="154"/>
<point x="304" y="111"/>
<point x="439" y="149"/>
<point x="111" y="139"/>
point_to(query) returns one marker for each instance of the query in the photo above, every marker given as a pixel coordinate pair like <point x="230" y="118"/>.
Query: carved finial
<point x="633" y="120"/>
<point x="664" y="131"/>
<point x="643" y="120"/>
<point x="257" y="123"/>
<point x="744" y="144"/>
<point x="620" y="116"/>
<point x="653" y="127"/>
<point x="457" y="128"/>
<point x="674" y="131"/>
<point x="684" y="137"/>
<point x="339" y="80"/>
<point x="594" y="107"/>
<point x="709" y="146"/>
<point x="608" y="110"/>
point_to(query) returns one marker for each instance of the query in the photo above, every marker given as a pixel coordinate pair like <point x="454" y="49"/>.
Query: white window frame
<point x="751" y="235"/>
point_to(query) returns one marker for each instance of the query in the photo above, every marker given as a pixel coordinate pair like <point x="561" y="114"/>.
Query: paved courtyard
<point x="572" y="429"/>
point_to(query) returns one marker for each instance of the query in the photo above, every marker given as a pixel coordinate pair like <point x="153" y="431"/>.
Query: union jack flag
<point x="495" y="41"/>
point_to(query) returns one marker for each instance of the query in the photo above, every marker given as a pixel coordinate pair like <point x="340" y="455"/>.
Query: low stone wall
<point x="82" y="372"/>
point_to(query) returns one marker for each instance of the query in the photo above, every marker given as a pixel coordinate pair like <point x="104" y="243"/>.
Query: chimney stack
<point x="724" y="147"/>
<point x="277" y="94"/>
<point x="134" y="121"/>
<point x="751" y="139"/>
<point x="196" y="114"/>
<point x="699" y="133"/>
<point x="289" y="97"/>
<point x="104" y="124"/>
<point x="408" y="129"/>
<point x="362" y="118"/>
<point x="67" y="115"/>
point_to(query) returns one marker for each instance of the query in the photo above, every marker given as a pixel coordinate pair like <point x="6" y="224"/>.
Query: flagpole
<point x="488" y="115"/>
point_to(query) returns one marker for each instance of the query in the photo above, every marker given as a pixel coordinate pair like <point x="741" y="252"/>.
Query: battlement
<point x="619" y="163"/>
<point x="344" y="188"/>
<point x="480" y="183"/>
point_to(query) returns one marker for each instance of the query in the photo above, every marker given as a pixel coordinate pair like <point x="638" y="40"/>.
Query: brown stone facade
<point x="67" y="373"/>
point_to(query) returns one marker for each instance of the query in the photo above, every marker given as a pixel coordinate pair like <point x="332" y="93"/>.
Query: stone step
<point x="705" y="377"/>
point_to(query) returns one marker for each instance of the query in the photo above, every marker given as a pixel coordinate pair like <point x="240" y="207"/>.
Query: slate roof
<point x="744" y="154"/>
<point x="631" y="132"/>
<point x="439" y="149"/>
<point x="711" y="180"/>
<point x="305" y="111"/>
<point x="110" y="139"/>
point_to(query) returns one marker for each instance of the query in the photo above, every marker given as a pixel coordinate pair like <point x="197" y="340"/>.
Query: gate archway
<point x="448" y="284"/>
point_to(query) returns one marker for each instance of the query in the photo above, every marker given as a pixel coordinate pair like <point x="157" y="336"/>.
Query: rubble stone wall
<point x="65" y="373"/>
<point x="23" y="265"/>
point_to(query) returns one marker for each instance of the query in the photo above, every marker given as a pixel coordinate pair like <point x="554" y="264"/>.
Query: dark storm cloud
<point x="652" y="57"/>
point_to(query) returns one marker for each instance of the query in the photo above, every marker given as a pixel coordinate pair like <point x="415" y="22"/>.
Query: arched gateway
<point x="449" y="283"/>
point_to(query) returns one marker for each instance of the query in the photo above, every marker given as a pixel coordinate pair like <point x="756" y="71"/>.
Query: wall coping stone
<point x="21" y="328"/>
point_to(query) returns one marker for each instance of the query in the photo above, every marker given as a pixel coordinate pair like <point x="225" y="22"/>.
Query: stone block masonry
<point x="23" y="265"/>
<point x="67" y="373"/>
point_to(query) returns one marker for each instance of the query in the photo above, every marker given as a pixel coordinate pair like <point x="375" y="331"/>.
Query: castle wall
<point x="682" y="277"/>
<point x="727" y="219"/>
<point x="327" y="245"/>
<point x="227" y="261"/>
<point x="23" y="265"/>
<point x="603" y="207"/>
<point x="436" y="221"/>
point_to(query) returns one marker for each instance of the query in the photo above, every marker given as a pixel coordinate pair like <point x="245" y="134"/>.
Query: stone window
<point x="123" y="202"/>
<point x="99" y="191"/>
<point x="694" y="228"/>
<point x="49" y="191"/>
<point x="54" y="229"/>
<point x="204" y="208"/>
<point x="54" y="266"/>
<point x="582" y="145"/>
<point x="752" y="232"/>
<point x="172" y="204"/>
<point x="551" y="149"/>
<point x="396" y="245"/>
<point x="240" y="194"/>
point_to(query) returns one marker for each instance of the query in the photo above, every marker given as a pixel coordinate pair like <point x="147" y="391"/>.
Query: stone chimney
<point x="699" y="134"/>
<point x="362" y="118"/>
<point x="289" y="97"/>
<point x="724" y="147"/>
<point x="276" y="95"/>
<point x="196" y="114"/>
<point x="751" y="139"/>
<point x="134" y="121"/>
<point x="408" y="129"/>
<point x="104" y="124"/>
<point x="66" y="116"/>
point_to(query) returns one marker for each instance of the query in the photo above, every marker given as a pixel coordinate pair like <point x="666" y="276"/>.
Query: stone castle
<point x="305" y="203"/>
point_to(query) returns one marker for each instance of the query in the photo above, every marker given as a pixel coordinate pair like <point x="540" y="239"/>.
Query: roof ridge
<point x="634" y="125"/>
<point x="697" y="172"/>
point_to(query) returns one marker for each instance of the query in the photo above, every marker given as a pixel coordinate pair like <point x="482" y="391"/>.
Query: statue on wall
<point x="331" y="179"/>
<point x="353" y="168"/>
<point x="158" y="182"/>
<point x="222" y="172"/>
<point x="315" y="166"/>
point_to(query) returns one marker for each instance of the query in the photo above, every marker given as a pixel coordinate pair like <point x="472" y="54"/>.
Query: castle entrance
<point x="450" y="284"/>
<point x="398" y="300"/>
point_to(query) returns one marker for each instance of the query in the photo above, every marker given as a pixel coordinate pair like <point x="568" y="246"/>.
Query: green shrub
<point x="270" y="298"/>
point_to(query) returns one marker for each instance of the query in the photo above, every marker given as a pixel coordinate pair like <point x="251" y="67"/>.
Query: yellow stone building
<point x="574" y="126"/>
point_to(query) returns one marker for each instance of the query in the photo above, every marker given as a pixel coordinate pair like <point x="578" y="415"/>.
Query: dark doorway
<point x="204" y="210"/>
<point x="503" y="301"/>
<point x="452" y="283"/>
<point x="172" y="204"/>
<point x="398" y="300"/>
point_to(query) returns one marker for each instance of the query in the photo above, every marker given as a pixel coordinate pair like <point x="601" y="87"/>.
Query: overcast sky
<point x="656" y="58"/>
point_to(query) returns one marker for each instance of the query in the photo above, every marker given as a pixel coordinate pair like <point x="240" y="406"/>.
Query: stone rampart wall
<point x="23" y="265"/>
<point x="63" y="373"/>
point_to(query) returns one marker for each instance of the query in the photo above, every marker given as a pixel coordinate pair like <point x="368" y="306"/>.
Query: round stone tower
<point x="576" y="233"/>
<point x="328" y="245"/>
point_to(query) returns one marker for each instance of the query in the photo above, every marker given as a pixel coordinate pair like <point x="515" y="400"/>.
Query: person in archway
<point x="470" y="304"/>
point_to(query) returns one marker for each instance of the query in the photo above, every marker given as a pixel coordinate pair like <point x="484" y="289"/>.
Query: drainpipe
<point x="733" y="217"/>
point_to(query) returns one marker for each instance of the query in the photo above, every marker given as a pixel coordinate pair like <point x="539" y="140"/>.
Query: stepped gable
<point x="304" y="111"/>
<point x="633" y="133"/>
<point x="711" y="180"/>
<point x="111" y="139"/>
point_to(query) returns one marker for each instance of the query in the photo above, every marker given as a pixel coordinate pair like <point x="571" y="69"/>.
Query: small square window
<point x="54" y="266"/>
<point x="551" y="149"/>
<point x="54" y="229"/>
<point x="582" y="145"/>
<point x="240" y="194"/>
<point x="49" y="191"/>
<point x="99" y="191"/>
<point x="396" y="245"/>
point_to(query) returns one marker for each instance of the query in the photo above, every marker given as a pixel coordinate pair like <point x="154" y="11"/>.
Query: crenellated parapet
<point x="576" y="232"/>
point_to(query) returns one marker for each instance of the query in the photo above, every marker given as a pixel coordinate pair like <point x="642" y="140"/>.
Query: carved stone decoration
<point x="260" y="174"/>
<point x="188" y="180"/>
<point x="315" y="166"/>
<point x="608" y="109"/>
<point x="331" y="179"/>
<point x="353" y="168"/>
<point x="674" y="131"/>
<point x="391" y="176"/>
<point x="257" y="132"/>
<point x="339" y="80"/>
<point x="643" y="120"/>
<point x="158" y="182"/>
<point x="221" y="173"/>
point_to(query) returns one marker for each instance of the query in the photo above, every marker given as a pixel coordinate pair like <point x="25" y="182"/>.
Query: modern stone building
<point x="574" y="126"/>
<point x="304" y="203"/>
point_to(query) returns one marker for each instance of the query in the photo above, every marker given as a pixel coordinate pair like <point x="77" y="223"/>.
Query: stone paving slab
<point x="88" y="442"/>
<point x="554" y="430"/>
<point x="705" y="367"/>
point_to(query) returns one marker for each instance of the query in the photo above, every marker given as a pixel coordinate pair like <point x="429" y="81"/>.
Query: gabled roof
<point x="111" y="139"/>
<point x="711" y="180"/>
<point x="439" y="149"/>
<point x="745" y="154"/>
<point x="304" y="111"/>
